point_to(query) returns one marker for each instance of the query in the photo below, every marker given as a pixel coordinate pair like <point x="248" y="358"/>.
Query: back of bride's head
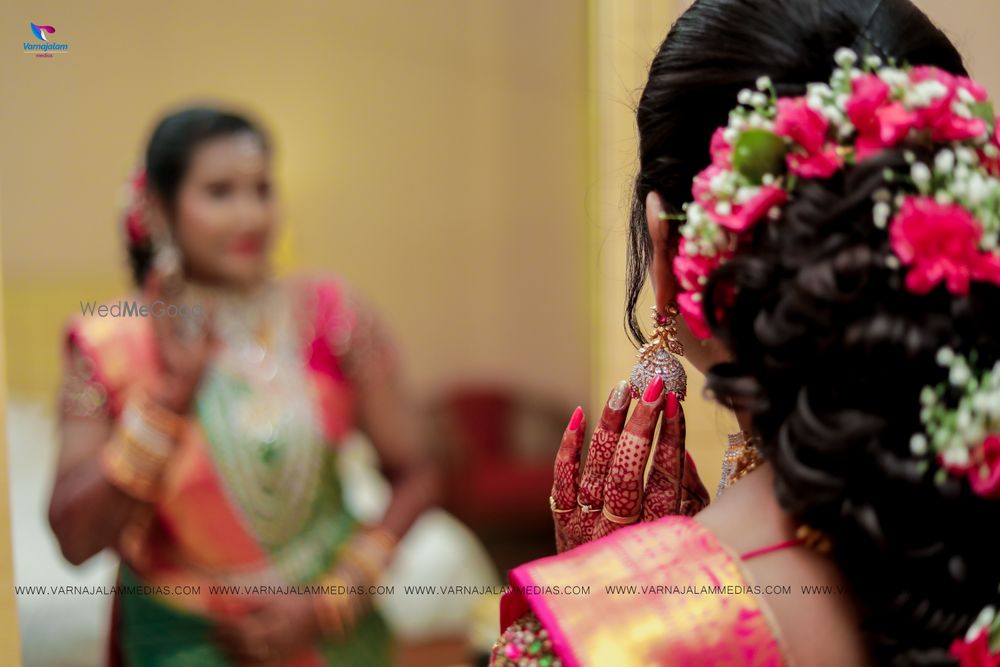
<point x="844" y="245"/>
<point x="832" y="354"/>
<point x="718" y="47"/>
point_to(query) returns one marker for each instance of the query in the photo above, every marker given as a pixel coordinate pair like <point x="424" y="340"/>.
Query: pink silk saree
<point x="197" y="537"/>
<point x="660" y="593"/>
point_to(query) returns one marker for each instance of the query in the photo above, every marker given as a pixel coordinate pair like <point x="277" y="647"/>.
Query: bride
<point x="839" y="248"/>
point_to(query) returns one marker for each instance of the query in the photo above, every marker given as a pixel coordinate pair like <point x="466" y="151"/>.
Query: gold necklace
<point x="742" y="457"/>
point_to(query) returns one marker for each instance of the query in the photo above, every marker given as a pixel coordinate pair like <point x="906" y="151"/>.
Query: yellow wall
<point x="433" y="153"/>
<point x="10" y="645"/>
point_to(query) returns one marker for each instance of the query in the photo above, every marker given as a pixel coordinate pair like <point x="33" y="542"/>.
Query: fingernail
<point x="619" y="396"/>
<point x="653" y="390"/>
<point x="672" y="404"/>
<point x="576" y="419"/>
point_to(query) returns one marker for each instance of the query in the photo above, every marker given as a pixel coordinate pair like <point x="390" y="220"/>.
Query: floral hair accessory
<point x="941" y="217"/>
<point x="964" y="437"/>
<point x="943" y="220"/>
<point x="135" y="225"/>
<point x="981" y="645"/>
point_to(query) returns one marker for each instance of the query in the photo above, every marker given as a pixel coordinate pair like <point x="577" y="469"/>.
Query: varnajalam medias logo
<point x="44" y="48"/>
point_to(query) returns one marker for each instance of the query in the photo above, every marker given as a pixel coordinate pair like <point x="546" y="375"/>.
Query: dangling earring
<point x="659" y="357"/>
<point x="167" y="261"/>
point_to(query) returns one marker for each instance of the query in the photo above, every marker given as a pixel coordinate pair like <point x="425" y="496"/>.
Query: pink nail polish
<point x="672" y="405"/>
<point x="576" y="419"/>
<point x="653" y="390"/>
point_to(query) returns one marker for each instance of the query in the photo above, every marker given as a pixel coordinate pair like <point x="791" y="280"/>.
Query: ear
<point x="664" y="248"/>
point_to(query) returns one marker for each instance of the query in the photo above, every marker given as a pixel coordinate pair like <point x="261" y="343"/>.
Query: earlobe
<point x="661" y="270"/>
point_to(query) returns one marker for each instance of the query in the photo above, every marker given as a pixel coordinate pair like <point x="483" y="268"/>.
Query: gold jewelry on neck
<point x="741" y="458"/>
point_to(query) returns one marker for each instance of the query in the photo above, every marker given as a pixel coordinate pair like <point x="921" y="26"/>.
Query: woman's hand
<point x="282" y="626"/>
<point x="186" y="345"/>
<point x="613" y="490"/>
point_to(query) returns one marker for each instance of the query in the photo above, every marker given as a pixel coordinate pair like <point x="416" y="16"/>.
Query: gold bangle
<point x="368" y="572"/>
<point x="131" y="469"/>
<point x="552" y="506"/>
<point x="159" y="418"/>
<point x="621" y="520"/>
<point x="331" y="612"/>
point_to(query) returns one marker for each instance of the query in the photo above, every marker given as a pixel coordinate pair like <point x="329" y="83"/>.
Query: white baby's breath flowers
<point x="959" y="374"/>
<point x="944" y="198"/>
<point x="820" y="90"/>
<point x="744" y="96"/>
<point x="722" y="184"/>
<point x="893" y="77"/>
<point x="702" y="236"/>
<point x="961" y="109"/>
<point x="944" y="357"/>
<point x="987" y="617"/>
<point x="954" y="431"/>
<point x="966" y="155"/>
<point x="745" y="194"/>
<point x="763" y="83"/>
<point x="921" y="175"/>
<point x="923" y="93"/>
<point x="881" y="213"/>
<point x="845" y="57"/>
<point x="944" y="162"/>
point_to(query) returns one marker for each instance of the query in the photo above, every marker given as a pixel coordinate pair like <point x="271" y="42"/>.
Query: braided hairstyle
<point x="168" y="155"/>
<point x="718" y="47"/>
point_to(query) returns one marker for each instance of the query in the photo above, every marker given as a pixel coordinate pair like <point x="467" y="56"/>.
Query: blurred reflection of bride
<point x="200" y="420"/>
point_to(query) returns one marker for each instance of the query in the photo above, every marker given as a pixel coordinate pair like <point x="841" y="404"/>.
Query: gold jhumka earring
<point x="659" y="357"/>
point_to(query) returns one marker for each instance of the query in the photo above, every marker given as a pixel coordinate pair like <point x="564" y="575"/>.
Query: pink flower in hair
<point x="689" y="269"/>
<point x="940" y="243"/>
<point x="881" y="123"/>
<point x="721" y="150"/>
<point x="135" y="227"/>
<point x="990" y="157"/>
<point x="985" y="478"/>
<point x="736" y="217"/>
<point x="813" y="155"/>
<point x="975" y="653"/>
<point x="689" y="303"/>
<point x="939" y="115"/>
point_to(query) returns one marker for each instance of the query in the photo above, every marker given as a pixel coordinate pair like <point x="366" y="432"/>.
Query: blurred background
<point x="464" y="165"/>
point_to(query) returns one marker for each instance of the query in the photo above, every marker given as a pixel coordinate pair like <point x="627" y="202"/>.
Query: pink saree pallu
<point x="659" y="593"/>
